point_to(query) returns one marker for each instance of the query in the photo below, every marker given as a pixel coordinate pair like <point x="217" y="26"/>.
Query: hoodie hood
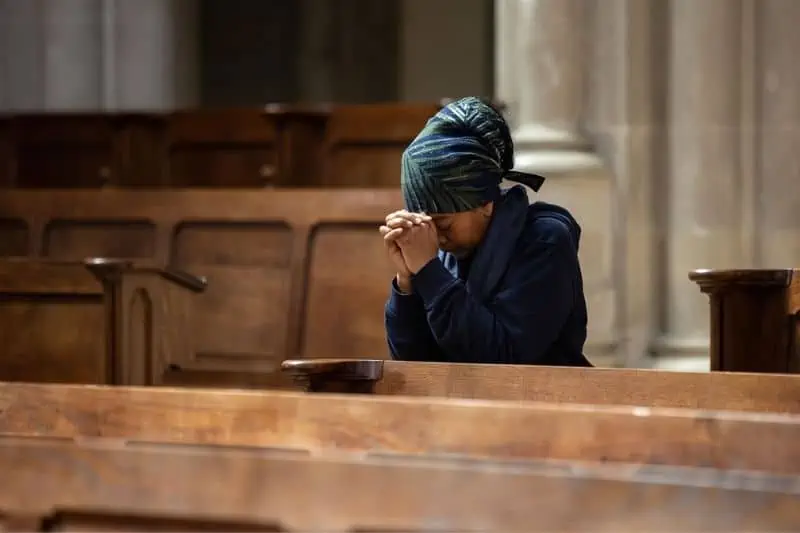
<point x="543" y="209"/>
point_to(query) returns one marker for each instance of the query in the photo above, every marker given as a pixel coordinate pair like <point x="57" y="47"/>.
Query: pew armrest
<point x="719" y="280"/>
<point x="110" y="269"/>
<point x="335" y="375"/>
<point x="754" y="319"/>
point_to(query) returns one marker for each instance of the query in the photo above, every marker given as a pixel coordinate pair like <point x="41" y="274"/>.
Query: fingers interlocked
<point x="401" y="222"/>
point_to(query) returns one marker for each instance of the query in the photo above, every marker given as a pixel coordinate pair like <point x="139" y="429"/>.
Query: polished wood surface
<point x="733" y="391"/>
<point x="101" y="321"/>
<point x="277" y="145"/>
<point x="406" y="425"/>
<point x="112" y="486"/>
<point x="754" y="319"/>
<point x="290" y="273"/>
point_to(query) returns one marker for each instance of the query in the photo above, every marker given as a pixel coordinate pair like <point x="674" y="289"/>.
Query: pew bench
<point x="101" y="321"/>
<point x="406" y="425"/>
<point x="275" y="145"/>
<point x="291" y="273"/>
<point x="728" y="391"/>
<point x="101" y="485"/>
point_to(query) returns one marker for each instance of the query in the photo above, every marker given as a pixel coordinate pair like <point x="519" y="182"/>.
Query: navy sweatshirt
<point x="518" y="300"/>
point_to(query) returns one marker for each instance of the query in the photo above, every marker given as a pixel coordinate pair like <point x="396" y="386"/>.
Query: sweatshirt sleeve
<point x="523" y="320"/>
<point x="407" y="330"/>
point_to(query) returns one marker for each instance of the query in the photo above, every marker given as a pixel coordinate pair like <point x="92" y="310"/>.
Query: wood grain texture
<point x="290" y="273"/>
<point x="379" y="493"/>
<point x="102" y="320"/>
<point x="755" y="318"/>
<point x="406" y="425"/>
<point x="276" y="145"/>
<point x="730" y="391"/>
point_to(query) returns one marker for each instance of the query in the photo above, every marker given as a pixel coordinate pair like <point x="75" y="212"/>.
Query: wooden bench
<point x="755" y="319"/>
<point x="291" y="273"/>
<point x="604" y="386"/>
<point x="277" y="145"/>
<point x="101" y="486"/>
<point x="406" y="425"/>
<point x="364" y="143"/>
<point x="98" y="321"/>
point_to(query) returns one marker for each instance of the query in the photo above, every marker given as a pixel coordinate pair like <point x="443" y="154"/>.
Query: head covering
<point x="459" y="159"/>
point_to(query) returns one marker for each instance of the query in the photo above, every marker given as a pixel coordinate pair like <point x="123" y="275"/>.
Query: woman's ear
<point x="486" y="209"/>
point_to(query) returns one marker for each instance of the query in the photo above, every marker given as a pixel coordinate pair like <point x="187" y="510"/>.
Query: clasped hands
<point x="411" y="241"/>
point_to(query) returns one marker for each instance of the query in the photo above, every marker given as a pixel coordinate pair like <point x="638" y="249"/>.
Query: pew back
<point x="604" y="386"/>
<point x="277" y="146"/>
<point x="63" y="321"/>
<point x="103" y="486"/>
<point x="291" y="273"/>
<point x="404" y="425"/>
<point x="50" y="313"/>
<point x="364" y="144"/>
<point x="273" y="146"/>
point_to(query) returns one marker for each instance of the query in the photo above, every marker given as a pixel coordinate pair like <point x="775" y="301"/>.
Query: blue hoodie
<point x="519" y="299"/>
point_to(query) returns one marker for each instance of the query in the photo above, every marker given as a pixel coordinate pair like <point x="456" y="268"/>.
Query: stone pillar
<point x="151" y="48"/>
<point x="20" y="56"/>
<point x="73" y="55"/>
<point x="777" y="90"/>
<point x="703" y="187"/>
<point x="93" y="55"/>
<point x="542" y="78"/>
<point x="52" y="54"/>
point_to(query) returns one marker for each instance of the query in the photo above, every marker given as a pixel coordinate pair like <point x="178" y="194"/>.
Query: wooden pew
<point x="100" y="321"/>
<point x="102" y="485"/>
<point x="83" y="150"/>
<point x="276" y="145"/>
<point x="406" y="425"/>
<point x="755" y="319"/>
<point x="291" y="273"/>
<point x="364" y="143"/>
<point x="6" y="152"/>
<point x="603" y="386"/>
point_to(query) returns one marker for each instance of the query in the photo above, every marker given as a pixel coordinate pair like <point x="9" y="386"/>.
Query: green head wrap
<point x="459" y="159"/>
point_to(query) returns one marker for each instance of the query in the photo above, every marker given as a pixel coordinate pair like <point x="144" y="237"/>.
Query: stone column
<point x="542" y="78"/>
<point x="777" y="90"/>
<point x="703" y="187"/>
<point x="73" y="55"/>
<point x="52" y="54"/>
<point x="21" y="56"/>
<point x="94" y="55"/>
<point x="151" y="54"/>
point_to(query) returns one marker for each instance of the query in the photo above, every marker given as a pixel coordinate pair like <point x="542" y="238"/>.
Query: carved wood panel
<point x="347" y="286"/>
<point x="290" y="273"/>
<point x="242" y="321"/>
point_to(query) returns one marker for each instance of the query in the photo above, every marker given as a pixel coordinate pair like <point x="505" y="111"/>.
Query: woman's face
<point x="461" y="233"/>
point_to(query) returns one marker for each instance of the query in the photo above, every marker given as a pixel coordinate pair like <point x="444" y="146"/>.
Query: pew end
<point x="107" y="320"/>
<point x="335" y="375"/>
<point x="754" y="319"/>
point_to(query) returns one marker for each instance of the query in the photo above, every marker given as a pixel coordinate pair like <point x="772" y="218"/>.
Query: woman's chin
<point x="459" y="253"/>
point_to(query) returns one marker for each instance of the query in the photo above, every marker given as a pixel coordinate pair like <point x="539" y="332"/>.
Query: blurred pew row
<point x="275" y="146"/>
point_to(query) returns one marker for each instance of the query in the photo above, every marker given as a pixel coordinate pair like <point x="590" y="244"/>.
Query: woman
<point x="482" y="276"/>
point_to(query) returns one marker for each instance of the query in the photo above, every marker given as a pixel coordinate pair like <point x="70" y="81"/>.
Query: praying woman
<point x="483" y="275"/>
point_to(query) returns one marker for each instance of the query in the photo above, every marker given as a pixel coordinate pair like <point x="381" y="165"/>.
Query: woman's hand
<point x="419" y="245"/>
<point x="396" y="224"/>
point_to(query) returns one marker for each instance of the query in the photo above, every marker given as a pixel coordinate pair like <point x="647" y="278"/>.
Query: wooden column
<point x="755" y="319"/>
